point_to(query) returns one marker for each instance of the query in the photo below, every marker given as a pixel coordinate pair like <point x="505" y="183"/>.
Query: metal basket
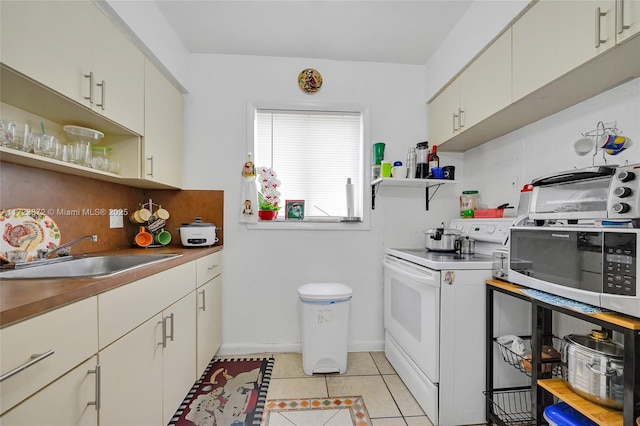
<point x="512" y="407"/>
<point x="523" y="364"/>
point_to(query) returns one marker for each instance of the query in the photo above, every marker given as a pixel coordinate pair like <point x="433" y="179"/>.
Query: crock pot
<point x="198" y="234"/>
<point x="594" y="366"/>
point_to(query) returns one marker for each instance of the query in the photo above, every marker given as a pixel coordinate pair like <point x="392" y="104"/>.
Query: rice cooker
<point x="198" y="233"/>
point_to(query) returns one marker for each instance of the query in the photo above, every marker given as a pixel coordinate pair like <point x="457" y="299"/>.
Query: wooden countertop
<point x="23" y="299"/>
<point x="611" y="317"/>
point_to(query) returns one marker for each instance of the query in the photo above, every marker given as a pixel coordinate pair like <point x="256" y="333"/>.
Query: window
<point x="313" y="154"/>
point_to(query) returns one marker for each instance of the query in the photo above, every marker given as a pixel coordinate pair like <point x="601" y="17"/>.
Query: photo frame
<point x="295" y="209"/>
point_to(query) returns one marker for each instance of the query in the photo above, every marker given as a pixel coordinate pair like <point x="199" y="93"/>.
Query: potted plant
<point x="269" y="196"/>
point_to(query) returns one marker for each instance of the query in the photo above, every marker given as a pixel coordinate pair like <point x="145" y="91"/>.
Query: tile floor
<point x="368" y="374"/>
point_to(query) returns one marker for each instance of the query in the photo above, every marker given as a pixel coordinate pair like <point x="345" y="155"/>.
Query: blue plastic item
<point x="563" y="415"/>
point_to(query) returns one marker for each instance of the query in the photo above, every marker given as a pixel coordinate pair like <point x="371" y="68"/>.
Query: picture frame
<point x="294" y="210"/>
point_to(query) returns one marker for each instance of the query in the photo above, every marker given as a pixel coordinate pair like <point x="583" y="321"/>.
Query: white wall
<point x="264" y="268"/>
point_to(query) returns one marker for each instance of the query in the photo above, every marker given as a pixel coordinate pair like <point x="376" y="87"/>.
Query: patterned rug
<point x="231" y="392"/>
<point x="317" y="411"/>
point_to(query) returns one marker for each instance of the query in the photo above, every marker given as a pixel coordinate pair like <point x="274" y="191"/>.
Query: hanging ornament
<point x="310" y="80"/>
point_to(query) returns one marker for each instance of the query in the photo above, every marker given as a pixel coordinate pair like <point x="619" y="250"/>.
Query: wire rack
<point x="523" y="362"/>
<point x="512" y="407"/>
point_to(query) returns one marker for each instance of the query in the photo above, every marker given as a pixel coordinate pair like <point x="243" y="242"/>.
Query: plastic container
<point x="469" y="201"/>
<point x="525" y="197"/>
<point x="411" y="162"/>
<point x="324" y="313"/>
<point x="488" y="213"/>
<point x="422" y="166"/>
<point x="563" y="415"/>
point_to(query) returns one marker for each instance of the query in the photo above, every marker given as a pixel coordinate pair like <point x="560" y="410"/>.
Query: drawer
<point x="208" y="267"/>
<point x="124" y="308"/>
<point x="71" y="332"/>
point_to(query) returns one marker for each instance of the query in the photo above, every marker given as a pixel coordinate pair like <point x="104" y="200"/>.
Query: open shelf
<point x="408" y="182"/>
<point x="597" y="413"/>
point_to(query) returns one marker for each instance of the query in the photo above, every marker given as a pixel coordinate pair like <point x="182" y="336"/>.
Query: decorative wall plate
<point x="310" y="80"/>
<point x="28" y="229"/>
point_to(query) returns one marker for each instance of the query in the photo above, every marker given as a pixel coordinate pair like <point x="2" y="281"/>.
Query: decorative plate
<point x="310" y="80"/>
<point x="28" y="229"/>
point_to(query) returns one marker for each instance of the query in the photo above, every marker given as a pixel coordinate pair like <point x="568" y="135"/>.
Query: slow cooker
<point x="198" y="233"/>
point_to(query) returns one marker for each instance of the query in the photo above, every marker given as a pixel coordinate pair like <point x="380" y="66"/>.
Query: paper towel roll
<point x="349" y="190"/>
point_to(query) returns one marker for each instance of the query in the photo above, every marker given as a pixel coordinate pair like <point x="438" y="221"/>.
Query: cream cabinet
<point x="574" y="32"/>
<point x="37" y="351"/>
<point x="627" y="19"/>
<point x="481" y="90"/>
<point x="163" y="133"/>
<point x="208" y="308"/>
<point x="69" y="401"/>
<point x="75" y="49"/>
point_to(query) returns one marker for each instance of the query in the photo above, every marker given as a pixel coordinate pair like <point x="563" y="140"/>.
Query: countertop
<point x="23" y="299"/>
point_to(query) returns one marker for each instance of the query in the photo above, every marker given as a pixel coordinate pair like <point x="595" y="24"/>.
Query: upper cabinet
<point x="483" y="88"/>
<point x="557" y="54"/>
<point x="75" y="49"/>
<point x="164" y="124"/>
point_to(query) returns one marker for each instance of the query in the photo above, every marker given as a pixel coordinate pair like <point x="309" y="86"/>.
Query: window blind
<point x="313" y="154"/>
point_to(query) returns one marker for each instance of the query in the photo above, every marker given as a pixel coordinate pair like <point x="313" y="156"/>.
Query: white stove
<point x="434" y="316"/>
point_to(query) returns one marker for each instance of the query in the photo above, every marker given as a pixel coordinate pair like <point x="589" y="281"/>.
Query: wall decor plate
<point x="28" y="229"/>
<point x="310" y="80"/>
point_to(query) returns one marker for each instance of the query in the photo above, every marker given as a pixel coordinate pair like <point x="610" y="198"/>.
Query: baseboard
<point x="259" y="348"/>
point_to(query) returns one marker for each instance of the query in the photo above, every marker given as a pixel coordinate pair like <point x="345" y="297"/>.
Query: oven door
<point x="412" y="312"/>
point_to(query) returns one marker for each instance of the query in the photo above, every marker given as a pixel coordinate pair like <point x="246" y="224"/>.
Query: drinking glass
<point x="45" y="145"/>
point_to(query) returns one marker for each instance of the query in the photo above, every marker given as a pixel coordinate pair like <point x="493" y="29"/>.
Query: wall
<point x="264" y="268"/>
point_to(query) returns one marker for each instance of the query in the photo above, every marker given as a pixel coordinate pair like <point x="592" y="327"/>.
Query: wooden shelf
<point x="596" y="413"/>
<point x="408" y="182"/>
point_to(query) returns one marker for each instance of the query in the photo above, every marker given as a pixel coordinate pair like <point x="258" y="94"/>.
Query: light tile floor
<point x="368" y="374"/>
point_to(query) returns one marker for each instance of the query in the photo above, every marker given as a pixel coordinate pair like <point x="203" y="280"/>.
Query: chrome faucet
<point x="64" y="249"/>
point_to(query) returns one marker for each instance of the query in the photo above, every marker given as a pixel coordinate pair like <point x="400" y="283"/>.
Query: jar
<point x="469" y="201"/>
<point x="422" y="168"/>
<point x="100" y="157"/>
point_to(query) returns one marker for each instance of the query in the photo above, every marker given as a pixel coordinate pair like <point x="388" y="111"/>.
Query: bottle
<point x="434" y="160"/>
<point x="422" y="167"/>
<point x="411" y="162"/>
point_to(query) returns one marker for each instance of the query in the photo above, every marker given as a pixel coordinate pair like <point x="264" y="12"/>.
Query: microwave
<point x="594" y="265"/>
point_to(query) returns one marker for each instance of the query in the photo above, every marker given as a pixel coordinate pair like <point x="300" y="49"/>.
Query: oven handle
<point x="418" y="277"/>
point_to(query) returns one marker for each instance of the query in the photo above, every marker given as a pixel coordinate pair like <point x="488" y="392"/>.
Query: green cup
<point x="163" y="237"/>
<point x="378" y="153"/>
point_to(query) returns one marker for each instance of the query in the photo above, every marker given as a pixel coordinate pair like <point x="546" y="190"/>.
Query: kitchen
<point x="219" y="87"/>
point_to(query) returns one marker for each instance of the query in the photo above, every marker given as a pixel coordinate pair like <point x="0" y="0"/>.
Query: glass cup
<point x="81" y="153"/>
<point x="100" y="157"/>
<point x="7" y="132"/>
<point x="45" y="145"/>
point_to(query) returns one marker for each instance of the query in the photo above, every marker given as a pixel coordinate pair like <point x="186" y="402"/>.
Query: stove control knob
<point x="621" y="208"/>
<point x="491" y="229"/>
<point x="622" y="191"/>
<point x="625" y="176"/>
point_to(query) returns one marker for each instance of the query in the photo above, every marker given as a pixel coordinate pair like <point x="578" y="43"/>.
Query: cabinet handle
<point x="460" y="120"/>
<point x="212" y="267"/>
<point x="103" y="87"/>
<point x="455" y="129"/>
<point x="34" y="360"/>
<point x="620" y="26"/>
<point x="96" y="403"/>
<point x="150" y="160"/>
<point x="171" y="318"/>
<point x="90" y="77"/>
<point x="203" y="308"/>
<point x="599" y="15"/>
<point x="164" y="332"/>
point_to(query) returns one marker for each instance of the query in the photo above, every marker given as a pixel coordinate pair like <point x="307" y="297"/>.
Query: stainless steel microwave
<point x="594" y="265"/>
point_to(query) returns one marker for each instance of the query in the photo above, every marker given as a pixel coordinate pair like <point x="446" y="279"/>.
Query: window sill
<point x="309" y="224"/>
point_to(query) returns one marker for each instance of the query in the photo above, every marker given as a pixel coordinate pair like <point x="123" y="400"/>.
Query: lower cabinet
<point x="69" y="401"/>
<point x="209" y="321"/>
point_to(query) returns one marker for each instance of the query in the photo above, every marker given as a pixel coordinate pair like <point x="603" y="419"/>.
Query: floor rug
<point x="231" y="392"/>
<point x="335" y="411"/>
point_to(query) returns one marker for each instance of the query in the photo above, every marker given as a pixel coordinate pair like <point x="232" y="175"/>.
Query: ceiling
<point x="392" y="31"/>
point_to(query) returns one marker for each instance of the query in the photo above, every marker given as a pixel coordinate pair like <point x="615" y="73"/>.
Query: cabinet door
<point x="444" y="113"/>
<point x="179" y="355"/>
<point x="48" y="41"/>
<point x="63" y="403"/>
<point x="131" y="382"/>
<point x="554" y="37"/>
<point x="163" y="133"/>
<point x="118" y="67"/>
<point x="629" y="11"/>
<point x="485" y="87"/>
<point x="209" y="322"/>
<point x="68" y="334"/>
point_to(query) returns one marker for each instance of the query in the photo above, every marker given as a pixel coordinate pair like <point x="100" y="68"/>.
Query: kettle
<point x="467" y="246"/>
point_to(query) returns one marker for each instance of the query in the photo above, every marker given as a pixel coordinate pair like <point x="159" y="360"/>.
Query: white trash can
<point x="324" y="313"/>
